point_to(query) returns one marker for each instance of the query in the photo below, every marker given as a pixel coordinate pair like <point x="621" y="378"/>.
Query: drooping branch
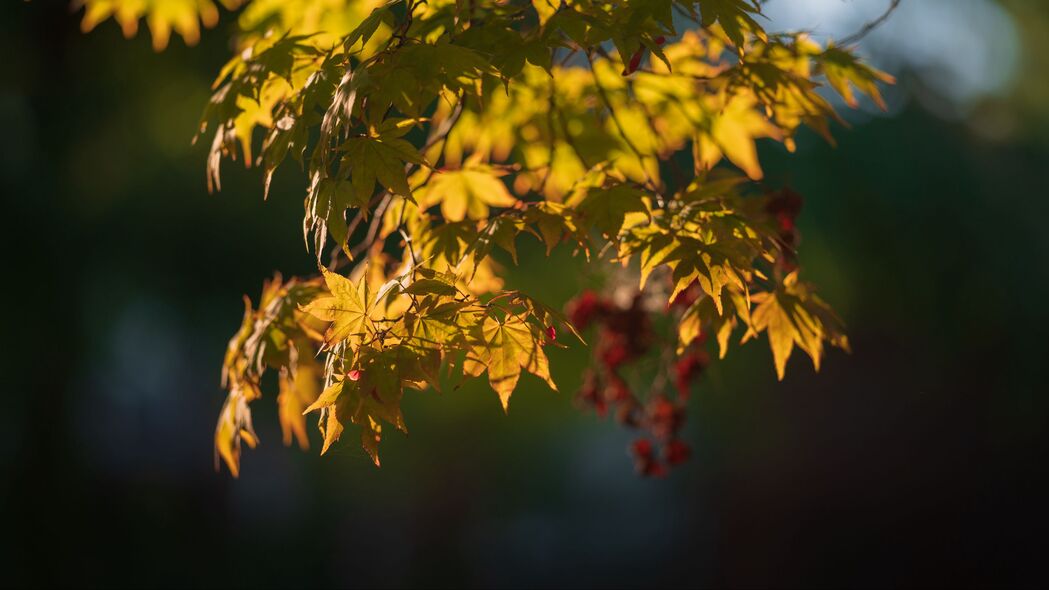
<point x="715" y="250"/>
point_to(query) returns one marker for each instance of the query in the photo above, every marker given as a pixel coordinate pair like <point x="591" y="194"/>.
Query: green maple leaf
<point x="555" y="221"/>
<point x="844" y="70"/>
<point x="606" y="208"/>
<point x="545" y="9"/>
<point x="328" y="204"/>
<point x="734" y="16"/>
<point x="382" y="159"/>
<point x="449" y="240"/>
<point x="436" y="323"/>
<point x="367" y="27"/>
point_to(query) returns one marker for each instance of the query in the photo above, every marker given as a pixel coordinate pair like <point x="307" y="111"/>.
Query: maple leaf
<point x="555" y="221"/>
<point x="793" y="314"/>
<point x="502" y="231"/>
<point x="368" y="398"/>
<point x="234" y="426"/>
<point x="546" y="316"/>
<point x="298" y="390"/>
<point x="382" y="159"/>
<point x="606" y="208"/>
<point x="346" y="308"/>
<point x="732" y="134"/>
<point x="734" y="16"/>
<point x="704" y="316"/>
<point x="326" y="206"/>
<point x="504" y="347"/>
<point x="693" y="261"/>
<point x="437" y="321"/>
<point x="844" y="70"/>
<point x="368" y="26"/>
<point x="703" y="242"/>
<point x="265" y="338"/>
<point x="162" y="16"/>
<point x="545" y="9"/>
<point x="468" y="192"/>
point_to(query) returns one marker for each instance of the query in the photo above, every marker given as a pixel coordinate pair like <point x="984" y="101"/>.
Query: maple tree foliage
<point x="433" y="133"/>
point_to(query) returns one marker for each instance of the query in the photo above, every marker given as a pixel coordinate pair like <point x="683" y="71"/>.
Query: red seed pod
<point x="600" y="406"/>
<point x="551" y="333"/>
<point x="660" y="40"/>
<point x="685" y="366"/>
<point x="583" y="309"/>
<point x="617" y="390"/>
<point x="651" y="468"/>
<point x="635" y="61"/>
<point x="642" y="448"/>
<point x="590" y="394"/>
<point x="353" y="375"/>
<point x="626" y="413"/>
<point x="683" y="386"/>
<point x="614" y="355"/>
<point x="664" y="418"/>
<point x="676" y="452"/>
<point x="661" y="408"/>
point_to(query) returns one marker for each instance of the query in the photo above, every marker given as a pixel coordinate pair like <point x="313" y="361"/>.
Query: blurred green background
<point x="914" y="461"/>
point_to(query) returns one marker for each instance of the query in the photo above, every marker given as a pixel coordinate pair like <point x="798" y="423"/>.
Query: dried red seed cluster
<point x="624" y="335"/>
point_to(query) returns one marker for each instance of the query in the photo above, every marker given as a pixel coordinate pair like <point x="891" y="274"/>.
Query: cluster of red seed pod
<point x="624" y="335"/>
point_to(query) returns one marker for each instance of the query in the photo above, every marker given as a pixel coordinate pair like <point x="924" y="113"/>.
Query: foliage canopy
<point x="433" y="133"/>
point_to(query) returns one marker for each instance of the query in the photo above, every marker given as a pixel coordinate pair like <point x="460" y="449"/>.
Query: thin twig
<point x="436" y="135"/>
<point x="867" y="28"/>
<point x="619" y="125"/>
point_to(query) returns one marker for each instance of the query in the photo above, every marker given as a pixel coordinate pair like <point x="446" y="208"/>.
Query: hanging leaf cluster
<point x="431" y="134"/>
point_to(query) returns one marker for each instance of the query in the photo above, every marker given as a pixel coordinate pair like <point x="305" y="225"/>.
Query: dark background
<point x="914" y="461"/>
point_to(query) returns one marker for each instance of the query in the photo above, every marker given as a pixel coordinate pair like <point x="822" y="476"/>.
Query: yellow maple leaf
<point x="371" y="395"/>
<point x="298" y="389"/>
<point x="732" y="133"/>
<point x="468" y="192"/>
<point x="346" y="308"/>
<point x="233" y="427"/>
<point x="545" y="9"/>
<point x="793" y="314"/>
<point x="508" y="346"/>
<point x="162" y="16"/>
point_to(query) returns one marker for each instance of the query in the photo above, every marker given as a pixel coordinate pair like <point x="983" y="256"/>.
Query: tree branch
<point x="867" y="28"/>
